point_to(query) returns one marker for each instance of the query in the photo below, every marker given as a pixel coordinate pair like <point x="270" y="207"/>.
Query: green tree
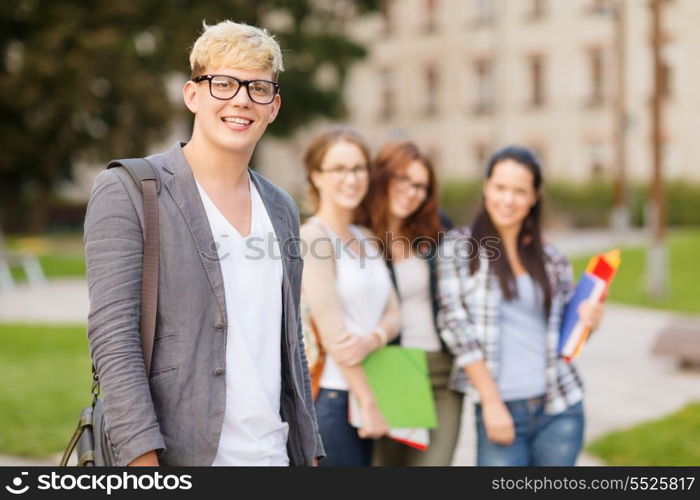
<point x="88" y="80"/>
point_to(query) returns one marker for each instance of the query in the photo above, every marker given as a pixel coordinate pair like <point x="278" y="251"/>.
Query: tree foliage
<point x="88" y="80"/>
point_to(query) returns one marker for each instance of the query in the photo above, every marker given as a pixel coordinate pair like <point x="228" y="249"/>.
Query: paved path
<point x="590" y="241"/>
<point x="6" y="461"/>
<point x="62" y="301"/>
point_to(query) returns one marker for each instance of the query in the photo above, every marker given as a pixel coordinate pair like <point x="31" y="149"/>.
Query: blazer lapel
<point x="183" y="189"/>
<point x="279" y="216"/>
<point x="276" y="209"/>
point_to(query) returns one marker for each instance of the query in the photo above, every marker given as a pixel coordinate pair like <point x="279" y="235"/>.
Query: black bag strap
<point x="146" y="177"/>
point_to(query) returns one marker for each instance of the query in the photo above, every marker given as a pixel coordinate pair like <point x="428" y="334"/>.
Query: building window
<point x="537" y="84"/>
<point x="666" y="80"/>
<point x="386" y="8"/>
<point x="387" y="109"/>
<point x="595" y="7"/>
<point x="482" y="153"/>
<point x="432" y="82"/>
<point x="433" y="154"/>
<point x="430" y="15"/>
<point x="669" y="53"/>
<point x="596" y="71"/>
<point x="483" y="72"/>
<point x="596" y="161"/>
<point x="484" y="13"/>
<point x="670" y="159"/>
<point x="540" y="152"/>
<point x="537" y="10"/>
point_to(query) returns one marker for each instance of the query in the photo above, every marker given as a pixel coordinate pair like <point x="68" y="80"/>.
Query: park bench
<point x="15" y="258"/>
<point x="681" y="339"/>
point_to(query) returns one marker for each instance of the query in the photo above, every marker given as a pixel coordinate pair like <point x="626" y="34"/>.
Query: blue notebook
<point x="571" y="330"/>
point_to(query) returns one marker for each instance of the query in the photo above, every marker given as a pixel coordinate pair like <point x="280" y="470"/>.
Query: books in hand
<point x="415" y="437"/>
<point x="594" y="284"/>
<point x="400" y="382"/>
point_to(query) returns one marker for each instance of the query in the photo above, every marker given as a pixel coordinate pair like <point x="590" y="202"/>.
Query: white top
<point x="364" y="287"/>
<point x="417" y="323"/>
<point x="253" y="432"/>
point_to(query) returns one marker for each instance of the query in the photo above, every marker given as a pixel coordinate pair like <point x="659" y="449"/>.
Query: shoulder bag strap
<point x="146" y="177"/>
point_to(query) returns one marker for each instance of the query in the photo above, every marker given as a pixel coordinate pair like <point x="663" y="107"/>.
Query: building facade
<point x="465" y="77"/>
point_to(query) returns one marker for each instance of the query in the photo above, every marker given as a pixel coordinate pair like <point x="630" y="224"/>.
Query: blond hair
<point x="236" y="45"/>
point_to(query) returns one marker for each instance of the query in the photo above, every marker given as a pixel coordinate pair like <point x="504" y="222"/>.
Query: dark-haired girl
<point x="502" y="291"/>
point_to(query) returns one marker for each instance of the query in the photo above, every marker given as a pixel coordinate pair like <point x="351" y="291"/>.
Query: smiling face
<point x="235" y="125"/>
<point x="509" y="194"/>
<point x="343" y="176"/>
<point x="408" y="189"/>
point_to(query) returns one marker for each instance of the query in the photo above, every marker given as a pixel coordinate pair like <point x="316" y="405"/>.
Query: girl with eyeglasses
<point x="401" y="208"/>
<point x="348" y="292"/>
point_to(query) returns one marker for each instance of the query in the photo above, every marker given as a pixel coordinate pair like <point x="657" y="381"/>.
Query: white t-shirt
<point x="253" y="432"/>
<point x="363" y="286"/>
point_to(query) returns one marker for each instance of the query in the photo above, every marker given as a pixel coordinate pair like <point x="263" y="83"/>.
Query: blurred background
<point x="605" y="91"/>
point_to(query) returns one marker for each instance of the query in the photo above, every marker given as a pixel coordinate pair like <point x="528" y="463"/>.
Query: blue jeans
<point x="342" y="444"/>
<point x="540" y="439"/>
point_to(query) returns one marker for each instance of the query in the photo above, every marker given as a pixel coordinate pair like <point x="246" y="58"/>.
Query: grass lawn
<point x="673" y="441"/>
<point x="45" y="373"/>
<point x="55" y="265"/>
<point x="629" y="284"/>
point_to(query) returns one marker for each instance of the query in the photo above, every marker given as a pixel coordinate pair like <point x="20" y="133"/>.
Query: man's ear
<point x="275" y="108"/>
<point x="189" y="95"/>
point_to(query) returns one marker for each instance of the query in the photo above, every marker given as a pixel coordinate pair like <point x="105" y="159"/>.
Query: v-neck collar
<point x="223" y="218"/>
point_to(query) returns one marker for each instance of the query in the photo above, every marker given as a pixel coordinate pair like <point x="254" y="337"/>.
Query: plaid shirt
<point x="469" y="318"/>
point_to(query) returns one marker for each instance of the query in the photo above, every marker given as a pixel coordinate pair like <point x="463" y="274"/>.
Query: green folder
<point x="401" y="384"/>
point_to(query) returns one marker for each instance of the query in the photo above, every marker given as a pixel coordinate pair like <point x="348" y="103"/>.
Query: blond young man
<point x="229" y="382"/>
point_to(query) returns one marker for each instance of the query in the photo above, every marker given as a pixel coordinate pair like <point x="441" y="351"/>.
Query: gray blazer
<point x="179" y="409"/>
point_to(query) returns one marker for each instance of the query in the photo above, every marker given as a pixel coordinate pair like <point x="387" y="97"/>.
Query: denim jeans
<point x="540" y="439"/>
<point x="342" y="444"/>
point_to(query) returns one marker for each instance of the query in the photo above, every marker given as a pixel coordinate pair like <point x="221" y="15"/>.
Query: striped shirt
<point x="469" y="315"/>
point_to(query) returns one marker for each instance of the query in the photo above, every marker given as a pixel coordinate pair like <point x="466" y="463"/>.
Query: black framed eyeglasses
<point x="341" y="173"/>
<point x="226" y="87"/>
<point x="405" y="184"/>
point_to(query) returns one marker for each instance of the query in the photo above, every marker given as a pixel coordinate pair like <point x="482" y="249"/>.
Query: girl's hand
<point x="374" y="424"/>
<point x="498" y="422"/>
<point x="590" y="313"/>
<point x="351" y="349"/>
